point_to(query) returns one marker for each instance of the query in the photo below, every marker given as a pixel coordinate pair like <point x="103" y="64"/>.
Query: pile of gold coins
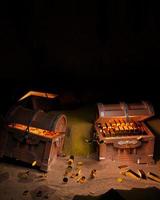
<point x="74" y="171"/>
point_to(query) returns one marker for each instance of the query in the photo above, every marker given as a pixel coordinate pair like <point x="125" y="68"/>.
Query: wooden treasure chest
<point x="33" y="136"/>
<point x="122" y="133"/>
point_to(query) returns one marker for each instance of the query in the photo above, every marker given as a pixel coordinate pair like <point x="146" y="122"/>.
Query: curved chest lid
<point x="134" y="111"/>
<point x="32" y="118"/>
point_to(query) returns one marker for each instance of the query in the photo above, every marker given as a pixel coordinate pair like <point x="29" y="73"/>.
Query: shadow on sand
<point x="135" y="193"/>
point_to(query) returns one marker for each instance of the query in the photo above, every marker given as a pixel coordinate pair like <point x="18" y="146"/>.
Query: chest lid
<point x="132" y="111"/>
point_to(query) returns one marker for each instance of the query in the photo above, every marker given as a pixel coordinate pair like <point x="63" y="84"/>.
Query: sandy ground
<point x="14" y="184"/>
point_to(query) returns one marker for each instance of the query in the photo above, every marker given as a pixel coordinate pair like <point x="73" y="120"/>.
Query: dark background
<point x="105" y="50"/>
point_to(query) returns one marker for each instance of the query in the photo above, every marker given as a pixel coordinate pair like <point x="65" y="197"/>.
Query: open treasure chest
<point x="122" y="134"/>
<point x="33" y="136"/>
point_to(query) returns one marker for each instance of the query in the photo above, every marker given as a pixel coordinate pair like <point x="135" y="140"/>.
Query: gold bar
<point x="153" y="177"/>
<point x="142" y="174"/>
<point x="132" y="174"/>
<point x="122" y="166"/>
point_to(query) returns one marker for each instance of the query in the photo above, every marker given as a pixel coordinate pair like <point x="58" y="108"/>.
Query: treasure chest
<point x="122" y="134"/>
<point x="33" y="136"/>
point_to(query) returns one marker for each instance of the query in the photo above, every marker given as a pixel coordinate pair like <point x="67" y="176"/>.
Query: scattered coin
<point x="93" y="173"/>
<point x="34" y="163"/>
<point x="65" y="179"/>
<point x="120" y="180"/>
